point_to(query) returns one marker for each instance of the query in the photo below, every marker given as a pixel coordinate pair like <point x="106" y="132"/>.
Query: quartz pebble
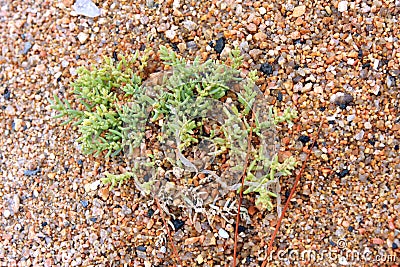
<point x="83" y="37"/>
<point x="86" y="8"/>
<point x="299" y="11"/>
<point x="223" y="234"/>
<point x="342" y="6"/>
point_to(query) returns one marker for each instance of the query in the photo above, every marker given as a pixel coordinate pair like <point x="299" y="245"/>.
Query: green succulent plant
<point x="111" y="109"/>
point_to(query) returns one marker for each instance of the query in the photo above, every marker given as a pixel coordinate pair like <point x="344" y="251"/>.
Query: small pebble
<point x="86" y="8"/>
<point x="359" y="136"/>
<point x="178" y="224"/>
<point x="200" y="259"/>
<point x="266" y="68"/>
<point x="219" y="45"/>
<point x="342" y="6"/>
<point x="170" y="34"/>
<point x="343" y="173"/>
<point x="31" y="172"/>
<point x="6" y="213"/>
<point x="27" y="47"/>
<point x="141" y="248"/>
<point x="82" y="37"/>
<point x="341" y="98"/>
<point x="84" y="203"/>
<point x="299" y="11"/>
<point x="304" y="139"/>
<point x="223" y="234"/>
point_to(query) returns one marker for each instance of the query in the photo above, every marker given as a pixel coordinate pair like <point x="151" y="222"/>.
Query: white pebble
<point x="72" y="71"/>
<point x="86" y="8"/>
<point x="170" y="34"/>
<point x="189" y="25"/>
<point x="82" y="37"/>
<point x="223" y="234"/>
<point x="6" y="214"/>
<point x="94" y="185"/>
<point x="262" y="10"/>
<point x="351" y="117"/>
<point x="342" y="6"/>
<point x="64" y="63"/>
<point x="350" y="61"/>
<point x="359" y="135"/>
<point x="367" y="125"/>
<point x="376" y="64"/>
<point x="17" y="124"/>
<point x="365" y="8"/>
<point x="17" y="202"/>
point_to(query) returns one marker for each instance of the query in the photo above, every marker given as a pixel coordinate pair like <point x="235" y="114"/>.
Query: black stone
<point x="115" y="56"/>
<point x="366" y="65"/>
<point x="142" y="47"/>
<point x="59" y="79"/>
<point x="174" y="47"/>
<point x="80" y="162"/>
<point x="141" y="248"/>
<point x="304" y="139"/>
<point x="342" y="106"/>
<point x="322" y="108"/>
<point x="331" y="122"/>
<point x="266" y="69"/>
<point x="360" y="54"/>
<point x="371" y="141"/>
<point x="93" y="219"/>
<point x="342" y="173"/>
<point x="396" y="147"/>
<point x="369" y="205"/>
<point x="350" y="228"/>
<point x="280" y="96"/>
<point x="178" y="224"/>
<point x="332" y="243"/>
<point x="44" y="224"/>
<point x="7" y="94"/>
<point x="147" y="177"/>
<point x="394" y="245"/>
<point x="150" y="213"/>
<point x="220" y="45"/>
<point x="249" y="259"/>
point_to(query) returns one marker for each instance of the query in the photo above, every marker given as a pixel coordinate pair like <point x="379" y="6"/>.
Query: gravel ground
<point x="333" y="61"/>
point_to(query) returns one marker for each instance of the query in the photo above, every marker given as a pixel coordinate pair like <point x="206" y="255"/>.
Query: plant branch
<point x="289" y="198"/>
<point x="241" y="189"/>
<point x="168" y="232"/>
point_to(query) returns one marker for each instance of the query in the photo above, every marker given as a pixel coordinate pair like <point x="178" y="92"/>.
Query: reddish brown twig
<point x="298" y="176"/>
<point x="178" y="259"/>
<point x="241" y="191"/>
